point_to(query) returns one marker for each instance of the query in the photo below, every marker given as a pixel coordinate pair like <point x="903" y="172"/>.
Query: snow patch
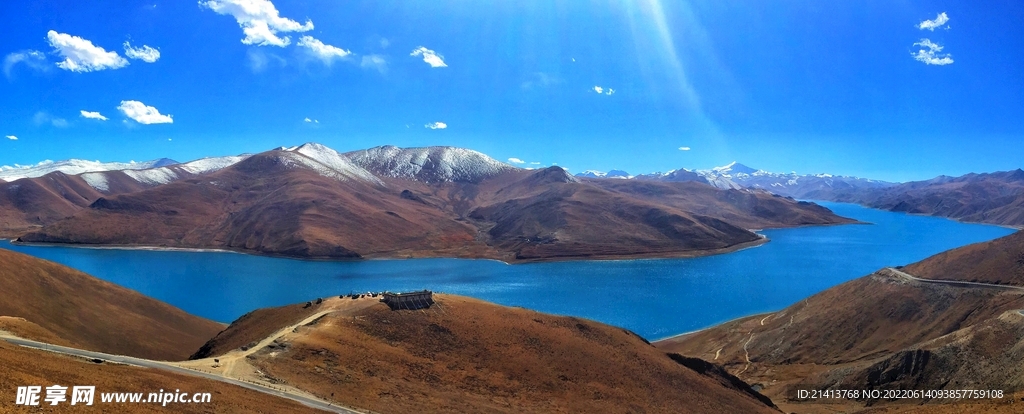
<point x="96" y="180"/>
<point x="155" y="176"/>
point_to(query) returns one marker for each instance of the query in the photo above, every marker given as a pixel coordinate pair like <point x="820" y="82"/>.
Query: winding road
<point x="306" y="400"/>
<point x="906" y="275"/>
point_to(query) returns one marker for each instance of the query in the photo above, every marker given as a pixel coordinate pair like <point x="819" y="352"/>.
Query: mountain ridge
<point x="313" y="202"/>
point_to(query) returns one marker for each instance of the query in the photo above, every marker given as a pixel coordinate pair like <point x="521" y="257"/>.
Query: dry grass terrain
<point x="467" y="356"/>
<point x="883" y="332"/>
<point x="22" y="366"/>
<point x="93" y="314"/>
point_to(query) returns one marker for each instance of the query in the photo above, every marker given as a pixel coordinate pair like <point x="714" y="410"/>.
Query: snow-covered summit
<point x="734" y="168"/>
<point x="75" y="167"/>
<point x="429" y="164"/>
<point x="600" y="174"/>
<point x="330" y="163"/>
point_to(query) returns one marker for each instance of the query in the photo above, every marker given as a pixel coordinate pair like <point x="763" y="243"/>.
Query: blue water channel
<point x="653" y="297"/>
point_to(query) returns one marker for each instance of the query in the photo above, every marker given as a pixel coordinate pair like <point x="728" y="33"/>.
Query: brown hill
<point x="467" y="356"/>
<point x="313" y="202"/>
<point x="996" y="198"/>
<point x="885" y="331"/>
<point x="999" y="261"/>
<point x="93" y="314"/>
<point x="33" y="202"/>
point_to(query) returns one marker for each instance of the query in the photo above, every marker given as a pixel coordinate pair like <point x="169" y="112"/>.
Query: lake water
<point x="653" y="297"/>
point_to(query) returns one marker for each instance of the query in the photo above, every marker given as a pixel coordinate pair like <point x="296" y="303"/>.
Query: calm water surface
<point x="654" y="297"/>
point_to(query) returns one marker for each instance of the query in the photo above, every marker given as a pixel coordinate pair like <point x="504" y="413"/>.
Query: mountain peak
<point x="429" y="164"/>
<point x="734" y="168"/>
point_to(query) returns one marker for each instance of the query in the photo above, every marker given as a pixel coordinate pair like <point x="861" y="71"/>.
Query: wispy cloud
<point x="930" y="53"/>
<point x="516" y="161"/>
<point x="604" y="91"/>
<point x="931" y="25"/>
<point x="81" y="55"/>
<point x="311" y="121"/>
<point x="145" y="53"/>
<point x="534" y="163"/>
<point x="431" y="57"/>
<point x="32" y="58"/>
<point x="540" y="80"/>
<point x="259" y="60"/>
<point x="376" y="62"/>
<point x="260" y="21"/>
<point x="93" y="115"/>
<point x="684" y="148"/>
<point x="143" y="114"/>
<point x="436" y="125"/>
<point x="326" y="53"/>
<point x="12" y="137"/>
<point x="43" y="117"/>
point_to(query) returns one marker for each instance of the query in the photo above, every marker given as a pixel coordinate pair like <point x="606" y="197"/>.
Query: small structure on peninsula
<point x="411" y="300"/>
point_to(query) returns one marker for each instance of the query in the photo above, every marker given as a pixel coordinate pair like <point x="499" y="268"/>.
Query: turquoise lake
<point x="655" y="298"/>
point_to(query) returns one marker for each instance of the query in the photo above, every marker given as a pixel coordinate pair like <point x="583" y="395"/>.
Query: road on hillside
<point x="307" y="401"/>
<point x="954" y="282"/>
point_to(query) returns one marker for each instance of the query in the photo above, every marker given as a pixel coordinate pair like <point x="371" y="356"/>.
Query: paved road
<point x="307" y="401"/>
<point x="955" y="282"/>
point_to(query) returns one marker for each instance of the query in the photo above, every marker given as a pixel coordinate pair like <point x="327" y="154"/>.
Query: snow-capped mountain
<point x="101" y="180"/>
<point x="737" y="176"/>
<point x="734" y="169"/>
<point x="75" y="167"/>
<point x="429" y="164"/>
<point x="610" y="174"/>
<point x="330" y="163"/>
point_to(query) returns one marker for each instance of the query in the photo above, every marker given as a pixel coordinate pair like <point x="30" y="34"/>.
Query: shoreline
<point x="667" y="338"/>
<point x="762" y="239"/>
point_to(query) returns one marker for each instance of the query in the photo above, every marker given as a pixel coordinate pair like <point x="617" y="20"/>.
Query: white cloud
<point x="259" y="19"/>
<point x="143" y="114"/>
<point x="436" y="125"/>
<point x="374" y="62"/>
<point x="93" y="115"/>
<point x="431" y="57"/>
<point x="312" y="121"/>
<point x="145" y="53"/>
<point x="12" y="137"/>
<point x="931" y="25"/>
<point x="81" y="55"/>
<point x="324" y="52"/>
<point x="516" y="161"/>
<point x="929" y="54"/>
<point x="31" y="58"/>
<point x="42" y="117"/>
<point x="534" y="163"/>
<point x="604" y="91"/>
<point x="684" y="148"/>
<point x="609" y="92"/>
<point x="598" y="89"/>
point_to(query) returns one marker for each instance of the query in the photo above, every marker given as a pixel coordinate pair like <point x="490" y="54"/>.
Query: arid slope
<point x="93" y="314"/>
<point x="467" y="356"/>
<point x="886" y="331"/>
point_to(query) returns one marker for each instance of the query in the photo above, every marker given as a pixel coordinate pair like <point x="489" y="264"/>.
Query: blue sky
<point x="804" y="86"/>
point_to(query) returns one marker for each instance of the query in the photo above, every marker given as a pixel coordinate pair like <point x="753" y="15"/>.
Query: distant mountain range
<point x="73" y="167"/>
<point x="996" y="198"/>
<point x="312" y="201"/>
